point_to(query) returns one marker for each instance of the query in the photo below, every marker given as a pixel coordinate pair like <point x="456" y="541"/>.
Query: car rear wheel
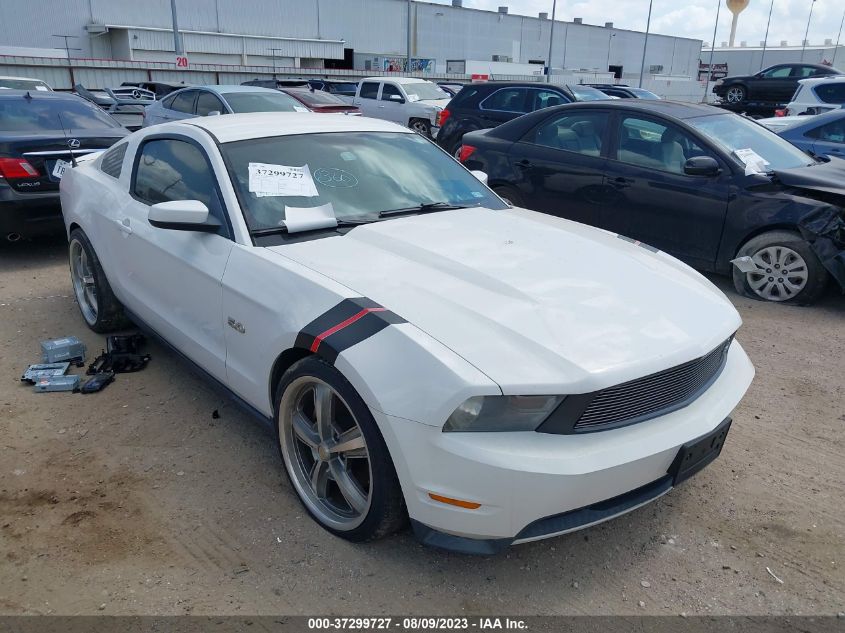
<point x="97" y="303"/>
<point x="421" y="126"/>
<point x="335" y="455"/>
<point x="786" y="269"/>
<point x="510" y="195"/>
<point x="736" y="94"/>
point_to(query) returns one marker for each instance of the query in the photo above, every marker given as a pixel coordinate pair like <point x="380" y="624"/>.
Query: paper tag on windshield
<point x="413" y="98"/>
<point x="309" y="218"/>
<point x="281" y="180"/>
<point x="754" y="163"/>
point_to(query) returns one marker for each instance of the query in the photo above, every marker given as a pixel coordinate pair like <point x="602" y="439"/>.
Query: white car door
<point x="392" y="104"/>
<point x="171" y="279"/>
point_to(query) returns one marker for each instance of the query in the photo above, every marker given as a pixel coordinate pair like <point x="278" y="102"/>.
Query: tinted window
<point x="112" y="161"/>
<point x="581" y="132"/>
<point x="208" y="102"/>
<point x="19" y="114"/>
<point x="832" y="92"/>
<point x="539" y="99"/>
<point x="183" y="102"/>
<point x="654" y="145"/>
<point x="369" y="90"/>
<point x="833" y="132"/>
<point x="387" y="90"/>
<point x="777" y="72"/>
<point x="615" y="93"/>
<point x="359" y="173"/>
<point x="169" y="170"/>
<point x="261" y="102"/>
<point x="506" y="100"/>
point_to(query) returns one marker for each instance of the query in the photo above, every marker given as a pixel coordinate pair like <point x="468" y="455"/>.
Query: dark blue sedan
<point x="821" y="135"/>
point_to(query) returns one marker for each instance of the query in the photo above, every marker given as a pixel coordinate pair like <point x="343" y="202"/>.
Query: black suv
<point x="482" y="106"/>
<point x="775" y="84"/>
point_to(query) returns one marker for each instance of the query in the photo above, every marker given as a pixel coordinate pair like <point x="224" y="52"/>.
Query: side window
<point x="581" y="132"/>
<point x="369" y="90"/>
<point x="112" y="161"/>
<point x="506" y="100"/>
<point x="806" y="71"/>
<point x="653" y="145"/>
<point x="208" y="102"/>
<point x="184" y="101"/>
<point x="833" y="132"/>
<point x="831" y="93"/>
<point x="388" y="90"/>
<point x="539" y="99"/>
<point x="779" y="72"/>
<point x="170" y="169"/>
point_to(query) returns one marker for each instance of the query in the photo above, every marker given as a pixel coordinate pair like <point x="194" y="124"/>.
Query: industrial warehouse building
<point x="229" y="40"/>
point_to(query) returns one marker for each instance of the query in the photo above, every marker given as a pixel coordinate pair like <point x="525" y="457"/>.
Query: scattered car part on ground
<point x="700" y="183"/>
<point x="420" y="395"/>
<point x="23" y="83"/>
<point x="215" y="100"/>
<point x="68" y="348"/>
<point x="321" y="101"/>
<point x="409" y="101"/>
<point x="47" y="384"/>
<point x="34" y="372"/>
<point x="125" y="104"/>
<point x="97" y="382"/>
<point x="820" y="135"/>
<point x="775" y="84"/>
<point x="122" y="355"/>
<point x="41" y="135"/>
<point x="817" y="96"/>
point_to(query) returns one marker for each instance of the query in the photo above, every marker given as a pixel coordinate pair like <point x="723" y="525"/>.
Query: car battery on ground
<point x="35" y="372"/>
<point x="57" y="383"/>
<point x="69" y="349"/>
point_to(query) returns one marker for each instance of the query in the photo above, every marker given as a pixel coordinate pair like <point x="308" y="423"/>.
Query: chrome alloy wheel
<point x="735" y="95"/>
<point x="325" y="453"/>
<point x="82" y="277"/>
<point x="781" y="273"/>
<point x="421" y="127"/>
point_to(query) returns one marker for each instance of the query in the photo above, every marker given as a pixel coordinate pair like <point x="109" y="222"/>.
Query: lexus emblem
<point x="73" y="143"/>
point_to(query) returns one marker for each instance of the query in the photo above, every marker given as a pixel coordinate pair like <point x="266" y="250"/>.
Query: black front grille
<point x="652" y="395"/>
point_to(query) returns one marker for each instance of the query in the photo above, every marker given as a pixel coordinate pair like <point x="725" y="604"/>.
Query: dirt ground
<point x="137" y="501"/>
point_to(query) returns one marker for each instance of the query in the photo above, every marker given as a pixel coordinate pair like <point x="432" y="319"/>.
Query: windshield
<point x="586" y="93"/>
<point x="318" y="97"/>
<point x="343" y="88"/>
<point x="360" y="174"/>
<point x="31" y="115"/>
<point x="241" y="102"/>
<point x="424" y="90"/>
<point x="23" y="84"/>
<point x="641" y="93"/>
<point x="737" y="135"/>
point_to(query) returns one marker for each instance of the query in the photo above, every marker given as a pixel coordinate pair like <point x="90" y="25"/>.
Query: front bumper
<point x="558" y="482"/>
<point x="29" y="214"/>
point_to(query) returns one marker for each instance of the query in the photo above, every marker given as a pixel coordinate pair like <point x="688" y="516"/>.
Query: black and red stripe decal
<point x="348" y="323"/>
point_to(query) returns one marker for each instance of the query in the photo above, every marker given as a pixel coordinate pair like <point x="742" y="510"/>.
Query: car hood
<point x="826" y="177"/>
<point x="439" y="103"/>
<point x="539" y="304"/>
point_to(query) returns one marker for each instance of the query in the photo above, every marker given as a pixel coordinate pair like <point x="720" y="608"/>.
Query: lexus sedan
<point x="419" y="349"/>
<point x="715" y="189"/>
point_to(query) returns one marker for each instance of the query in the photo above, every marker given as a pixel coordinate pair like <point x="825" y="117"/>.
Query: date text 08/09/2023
<point x="417" y="623"/>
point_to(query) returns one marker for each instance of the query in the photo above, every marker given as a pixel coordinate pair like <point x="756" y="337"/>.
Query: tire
<point x="510" y="195"/>
<point x="772" y="252"/>
<point x="420" y="126"/>
<point x="353" y="493"/>
<point x="100" y="309"/>
<point x="736" y="94"/>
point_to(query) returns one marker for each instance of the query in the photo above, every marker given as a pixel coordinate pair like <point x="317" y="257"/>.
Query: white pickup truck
<point x="415" y="103"/>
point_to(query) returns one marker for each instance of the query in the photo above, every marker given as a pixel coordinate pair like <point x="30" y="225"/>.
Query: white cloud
<point x="694" y="18"/>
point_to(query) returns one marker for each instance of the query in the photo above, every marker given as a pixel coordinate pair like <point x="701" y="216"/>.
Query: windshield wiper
<point x="424" y="207"/>
<point x="280" y="230"/>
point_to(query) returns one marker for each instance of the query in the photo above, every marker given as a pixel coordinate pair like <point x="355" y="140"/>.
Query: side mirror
<point x="396" y="98"/>
<point x="214" y="113"/>
<point x="702" y="166"/>
<point x="183" y="215"/>
<point x="482" y="176"/>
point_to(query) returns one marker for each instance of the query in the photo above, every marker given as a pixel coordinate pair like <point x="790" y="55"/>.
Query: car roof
<point x="676" y="109"/>
<point x="812" y="81"/>
<point x="24" y="78"/>
<point x="398" y="80"/>
<point x="238" y="127"/>
<point x="39" y="94"/>
<point x="228" y="89"/>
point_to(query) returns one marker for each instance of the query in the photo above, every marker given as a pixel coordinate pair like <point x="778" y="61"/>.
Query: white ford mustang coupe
<point x="421" y="350"/>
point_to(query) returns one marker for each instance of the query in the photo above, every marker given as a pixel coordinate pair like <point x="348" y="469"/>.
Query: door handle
<point x="125" y="226"/>
<point x="381" y="106"/>
<point x="524" y="164"/>
<point x="622" y="181"/>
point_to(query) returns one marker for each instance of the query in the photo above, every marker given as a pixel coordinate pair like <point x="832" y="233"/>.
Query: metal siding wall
<point x="33" y="24"/>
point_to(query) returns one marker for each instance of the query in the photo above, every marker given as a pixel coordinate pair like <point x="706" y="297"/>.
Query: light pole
<point x="177" y="41"/>
<point x="804" y="41"/>
<point x="712" y="47"/>
<point x="766" y="38"/>
<point x="609" y="44"/>
<point x="408" y="68"/>
<point x="836" y="48"/>
<point x="645" y="43"/>
<point x="551" y="42"/>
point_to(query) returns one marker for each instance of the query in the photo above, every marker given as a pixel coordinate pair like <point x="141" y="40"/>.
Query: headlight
<point x="502" y="413"/>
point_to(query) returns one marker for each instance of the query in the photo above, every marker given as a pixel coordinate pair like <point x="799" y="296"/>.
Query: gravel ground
<point x="138" y="501"/>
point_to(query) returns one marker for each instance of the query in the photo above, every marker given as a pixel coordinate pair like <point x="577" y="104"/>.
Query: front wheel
<point x="335" y="455"/>
<point x="786" y="269"/>
<point x="736" y="94"/>
<point x="421" y="126"/>
<point x="97" y="303"/>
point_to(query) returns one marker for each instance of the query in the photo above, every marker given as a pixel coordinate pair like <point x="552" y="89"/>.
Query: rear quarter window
<point x="831" y="93"/>
<point x="112" y="161"/>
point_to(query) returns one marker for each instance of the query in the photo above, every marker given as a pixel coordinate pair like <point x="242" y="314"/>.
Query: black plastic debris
<point x="824" y="229"/>
<point x="98" y="382"/>
<point x="122" y="355"/>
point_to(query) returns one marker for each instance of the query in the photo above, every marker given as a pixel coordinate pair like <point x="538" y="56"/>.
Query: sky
<point x="694" y="18"/>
